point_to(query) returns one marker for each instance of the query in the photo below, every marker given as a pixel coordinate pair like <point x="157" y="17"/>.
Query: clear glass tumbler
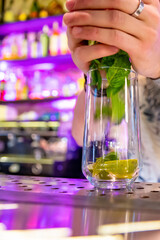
<point x="112" y="144"/>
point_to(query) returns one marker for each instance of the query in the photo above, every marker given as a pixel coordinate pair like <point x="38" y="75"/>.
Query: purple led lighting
<point x="34" y="25"/>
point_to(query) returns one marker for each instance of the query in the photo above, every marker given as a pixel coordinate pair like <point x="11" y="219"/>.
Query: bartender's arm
<point x="78" y="119"/>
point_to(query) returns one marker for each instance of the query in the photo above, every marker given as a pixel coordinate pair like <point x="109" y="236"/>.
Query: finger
<point x="123" y="5"/>
<point x="109" y="19"/>
<point x="111" y="37"/>
<point x="73" y="42"/>
<point x="91" y="17"/>
<point x="83" y="55"/>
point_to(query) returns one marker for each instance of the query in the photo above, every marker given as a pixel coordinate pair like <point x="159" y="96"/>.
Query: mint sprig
<point x="118" y="69"/>
<point x="111" y="156"/>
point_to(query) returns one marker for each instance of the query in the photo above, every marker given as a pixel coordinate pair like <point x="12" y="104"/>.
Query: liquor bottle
<point x="34" y="10"/>
<point x="43" y="13"/>
<point x="63" y="42"/>
<point x="14" y="49"/>
<point x="18" y="88"/>
<point x="24" y="13"/>
<point x="44" y="40"/>
<point x="55" y="8"/>
<point x="34" y="46"/>
<point x="1" y="50"/>
<point x="36" y="86"/>
<point x="24" y="47"/>
<point x="54" y="40"/>
<point x="24" y="93"/>
<point x="10" y="86"/>
<point x="9" y="15"/>
<point x="2" y="89"/>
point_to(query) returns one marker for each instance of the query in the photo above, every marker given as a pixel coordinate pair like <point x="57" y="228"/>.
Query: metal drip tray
<point x="46" y="202"/>
<point x="77" y="192"/>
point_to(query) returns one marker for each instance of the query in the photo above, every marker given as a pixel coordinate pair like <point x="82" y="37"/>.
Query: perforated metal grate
<point x="77" y="192"/>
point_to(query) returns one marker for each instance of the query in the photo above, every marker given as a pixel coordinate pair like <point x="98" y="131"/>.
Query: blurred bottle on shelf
<point x="44" y="40"/>
<point x="9" y="14"/>
<point x="2" y="87"/>
<point x="24" y="14"/>
<point x="63" y="42"/>
<point x="24" y="46"/>
<point x="21" y="87"/>
<point x="43" y="13"/>
<point x="35" y="86"/>
<point x="18" y="89"/>
<point x="54" y="40"/>
<point x="22" y="17"/>
<point x="47" y="42"/>
<point x="39" y="84"/>
<point x="55" y="8"/>
<point x="14" y="49"/>
<point x="24" y="92"/>
<point x="34" y="10"/>
<point x="5" y="50"/>
<point x="34" y="46"/>
<point x="31" y="9"/>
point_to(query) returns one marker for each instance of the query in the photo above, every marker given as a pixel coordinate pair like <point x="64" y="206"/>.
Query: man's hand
<point x="110" y="23"/>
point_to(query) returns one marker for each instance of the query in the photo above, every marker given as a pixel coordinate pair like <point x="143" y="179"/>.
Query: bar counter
<point x="73" y="205"/>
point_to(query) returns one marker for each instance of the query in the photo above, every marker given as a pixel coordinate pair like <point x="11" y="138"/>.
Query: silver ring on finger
<point x="139" y="9"/>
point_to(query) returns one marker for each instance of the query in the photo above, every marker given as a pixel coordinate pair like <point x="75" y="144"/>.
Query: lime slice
<point x="90" y="168"/>
<point x="119" y="169"/>
<point x="100" y="171"/>
<point x="104" y="175"/>
<point x="122" y="168"/>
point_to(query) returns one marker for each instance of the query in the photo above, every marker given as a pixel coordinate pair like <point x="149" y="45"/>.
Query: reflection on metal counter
<point x="46" y="202"/>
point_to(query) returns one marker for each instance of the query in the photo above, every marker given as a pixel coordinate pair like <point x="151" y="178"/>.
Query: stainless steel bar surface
<point x="46" y="202"/>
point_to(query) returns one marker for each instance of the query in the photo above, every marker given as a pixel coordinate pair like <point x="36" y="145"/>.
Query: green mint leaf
<point x="117" y="71"/>
<point x="108" y="61"/>
<point x="105" y="112"/>
<point x="96" y="79"/>
<point x="112" y="91"/>
<point x="91" y="42"/>
<point x="116" y="77"/>
<point x="118" y="108"/>
<point x="111" y="156"/>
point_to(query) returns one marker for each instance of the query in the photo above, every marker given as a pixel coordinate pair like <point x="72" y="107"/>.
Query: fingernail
<point x="77" y="30"/>
<point x="67" y="18"/>
<point x="70" y="4"/>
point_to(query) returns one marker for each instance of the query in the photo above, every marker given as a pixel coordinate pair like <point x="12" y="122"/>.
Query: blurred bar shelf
<point x="59" y="61"/>
<point x="29" y="124"/>
<point x="40" y="133"/>
<point x="29" y="25"/>
<point x="38" y="100"/>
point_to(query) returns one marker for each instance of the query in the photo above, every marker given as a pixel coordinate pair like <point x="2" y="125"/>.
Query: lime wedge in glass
<point x="122" y="168"/>
<point x="119" y="169"/>
<point x="90" y="168"/>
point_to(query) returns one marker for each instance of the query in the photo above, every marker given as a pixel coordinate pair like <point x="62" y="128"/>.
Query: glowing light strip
<point x="128" y="227"/>
<point x="36" y="234"/>
<point x="96" y="237"/>
<point x="8" y="206"/>
<point x="50" y="234"/>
